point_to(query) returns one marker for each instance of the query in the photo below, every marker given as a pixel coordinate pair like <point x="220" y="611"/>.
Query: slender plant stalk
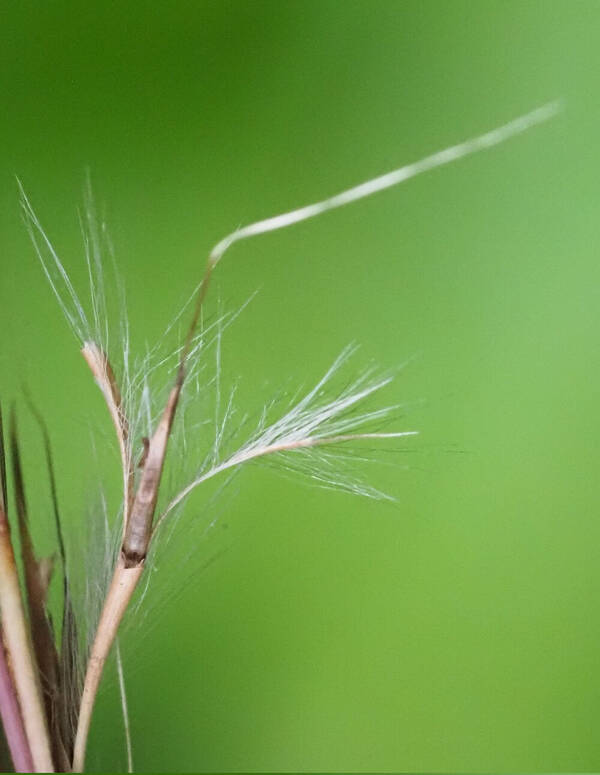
<point x="17" y="639"/>
<point x="19" y="648"/>
<point x="11" y="719"/>
<point x="119" y="594"/>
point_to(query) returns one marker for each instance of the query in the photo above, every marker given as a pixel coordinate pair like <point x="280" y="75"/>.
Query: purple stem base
<point x="11" y="719"/>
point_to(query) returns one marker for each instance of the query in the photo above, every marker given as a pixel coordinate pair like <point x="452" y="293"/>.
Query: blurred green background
<point x="458" y="630"/>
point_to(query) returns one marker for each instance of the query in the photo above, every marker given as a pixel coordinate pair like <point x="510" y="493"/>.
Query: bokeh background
<point x="459" y="629"/>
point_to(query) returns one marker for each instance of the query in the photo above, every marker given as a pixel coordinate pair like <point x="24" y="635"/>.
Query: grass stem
<point x="17" y="639"/>
<point x="122" y="587"/>
<point x="18" y="645"/>
<point x="11" y="719"/>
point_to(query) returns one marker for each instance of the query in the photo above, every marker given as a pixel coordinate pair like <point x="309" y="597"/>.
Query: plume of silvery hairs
<point x="46" y="701"/>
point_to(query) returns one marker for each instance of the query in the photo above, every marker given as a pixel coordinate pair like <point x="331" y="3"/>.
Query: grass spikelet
<point x="151" y="403"/>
